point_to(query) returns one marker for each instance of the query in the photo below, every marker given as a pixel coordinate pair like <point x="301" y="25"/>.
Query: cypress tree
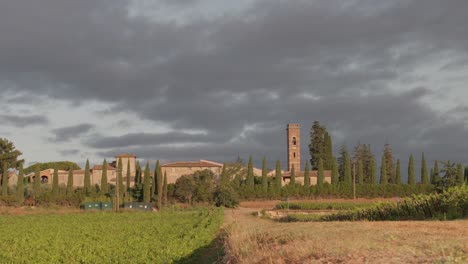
<point x="360" y="173"/>
<point x="147" y="184"/>
<point x="165" y="189"/>
<point x="347" y="172"/>
<point x="119" y="184"/>
<point x="293" y="176"/>
<point x="223" y="177"/>
<point x="424" y="176"/>
<point x="156" y="181"/>
<point x="104" y="183"/>
<point x="20" y="185"/>
<point x="264" y="177"/>
<point x="335" y="175"/>
<point x="459" y="179"/>
<point x="37" y="180"/>
<point x="435" y="176"/>
<point x="55" y="183"/>
<point x="250" y="176"/>
<point x="465" y="179"/>
<point x="278" y="177"/>
<point x="160" y="185"/>
<point x="328" y="159"/>
<point x="137" y="174"/>
<point x="317" y="144"/>
<point x="87" y="178"/>
<point x="307" y="175"/>
<point x="70" y="182"/>
<point x="411" y="177"/>
<point x="320" y="176"/>
<point x="5" y="179"/>
<point x="398" y="173"/>
<point x="373" y="172"/>
<point x="389" y="165"/>
<point x="383" y="172"/>
<point x="431" y="173"/>
<point x="341" y="161"/>
<point x="129" y="175"/>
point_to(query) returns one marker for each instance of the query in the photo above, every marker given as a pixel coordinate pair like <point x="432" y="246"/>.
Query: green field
<point x="167" y="237"/>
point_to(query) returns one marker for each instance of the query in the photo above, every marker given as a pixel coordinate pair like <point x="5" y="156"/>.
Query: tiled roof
<point x="99" y="167"/>
<point x="200" y="163"/>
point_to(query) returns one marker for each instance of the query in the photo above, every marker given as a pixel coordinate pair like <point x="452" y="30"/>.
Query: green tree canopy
<point x="60" y="165"/>
<point x="9" y="155"/>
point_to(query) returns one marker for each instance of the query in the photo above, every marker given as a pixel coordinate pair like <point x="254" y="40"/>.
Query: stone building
<point x="95" y="173"/>
<point x="294" y="158"/>
<point x="175" y="170"/>
<point x="12" y="178"/>
<point x="127" y="159"/>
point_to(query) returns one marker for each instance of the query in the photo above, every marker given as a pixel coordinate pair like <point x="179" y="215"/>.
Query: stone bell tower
<point x="294" y="146"/>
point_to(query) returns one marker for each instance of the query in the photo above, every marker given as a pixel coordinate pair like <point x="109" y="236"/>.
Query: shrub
<point x="449" y="205"/>
<point x="225" y="196"/>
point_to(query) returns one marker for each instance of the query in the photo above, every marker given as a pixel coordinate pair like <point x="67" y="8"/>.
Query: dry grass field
<point x="251" y="239"/>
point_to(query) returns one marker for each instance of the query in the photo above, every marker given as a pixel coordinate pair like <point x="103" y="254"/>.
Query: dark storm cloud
<point x="23" y="120"/>
<point x="64" y="134"/>
<point x="277" y="62"/>
<point x="144" y="139"/>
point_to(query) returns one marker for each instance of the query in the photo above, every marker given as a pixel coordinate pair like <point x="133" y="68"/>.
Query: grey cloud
<point x="66" y="133"/>
<point x="144" y="139"/>
<point x="276" y="62"/>
<point x="23" y="120"/>
<point x="69" y="152"/>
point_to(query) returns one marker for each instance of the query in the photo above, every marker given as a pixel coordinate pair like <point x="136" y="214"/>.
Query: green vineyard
<point x="165" y="237"/>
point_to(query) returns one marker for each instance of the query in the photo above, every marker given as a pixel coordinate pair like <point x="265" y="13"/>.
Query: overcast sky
<point x="209" y="79"/>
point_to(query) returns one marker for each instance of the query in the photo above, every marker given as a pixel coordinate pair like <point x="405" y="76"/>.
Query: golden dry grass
<point x="253" y="240"/>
